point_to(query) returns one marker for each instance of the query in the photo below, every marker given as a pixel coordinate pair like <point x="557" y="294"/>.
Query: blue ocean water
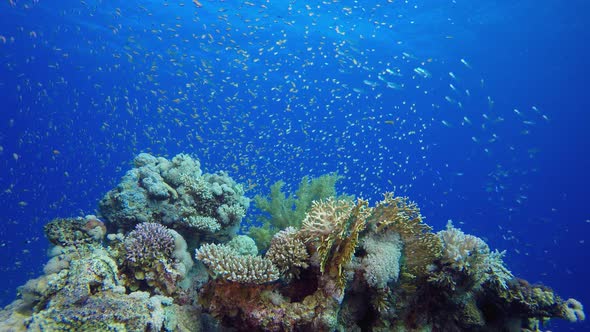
<point x="475" y="110"/>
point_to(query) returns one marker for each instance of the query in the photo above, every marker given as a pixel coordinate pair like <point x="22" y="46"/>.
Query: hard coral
<point x="153" y="260"/>
<point x="421" y="246"/>
<point x="147" y="243"/>
<point x="471" y="256"/>
<point x="176" y="193"/>
<point x="288" y="253"/>
<point x="261" y="308"/>
<point x="75" y="231"/>
<point x="333" y="227"/>
<point x="226" y="263"/>
<point x="574" y="310"/>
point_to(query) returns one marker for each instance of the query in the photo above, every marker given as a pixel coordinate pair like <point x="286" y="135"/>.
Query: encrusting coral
<point x="74" y="231"/>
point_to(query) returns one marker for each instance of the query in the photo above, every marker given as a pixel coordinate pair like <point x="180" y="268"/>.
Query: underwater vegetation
<point x="282" y="210"/>
<point x="334" y="263"/>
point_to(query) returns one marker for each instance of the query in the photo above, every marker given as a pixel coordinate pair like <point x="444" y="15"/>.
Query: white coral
<point x="381" y="264"/>
<point x="227" y="263"/>
<point x="471" y="255"/>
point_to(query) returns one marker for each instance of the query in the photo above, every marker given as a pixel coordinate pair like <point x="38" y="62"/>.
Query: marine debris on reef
<point x="345" y="266"/>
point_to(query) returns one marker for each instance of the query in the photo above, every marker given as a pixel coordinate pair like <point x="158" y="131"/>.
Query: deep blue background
<point x="274" y="90"/>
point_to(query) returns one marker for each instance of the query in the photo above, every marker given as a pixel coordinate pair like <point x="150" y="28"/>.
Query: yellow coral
<point x="334" y="226"/>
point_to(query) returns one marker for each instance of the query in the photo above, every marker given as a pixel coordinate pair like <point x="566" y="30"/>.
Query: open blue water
<point x="476" y="110"/>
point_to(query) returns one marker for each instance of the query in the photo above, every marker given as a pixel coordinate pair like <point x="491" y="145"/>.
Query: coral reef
<point x="348" y="267"/>
<point x="152" y="257"/>
<point x="84" y="288"/>
<point x="88" y="295"/>
<point x="381" y="268"/>
<point x="264" y="308"/>
<point x="177" y="194"/>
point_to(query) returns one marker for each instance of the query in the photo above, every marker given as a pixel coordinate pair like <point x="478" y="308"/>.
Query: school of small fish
<point x="265" y="90"/>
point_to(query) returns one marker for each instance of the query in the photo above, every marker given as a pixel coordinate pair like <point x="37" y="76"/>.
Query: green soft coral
<point x="281" y="210"/>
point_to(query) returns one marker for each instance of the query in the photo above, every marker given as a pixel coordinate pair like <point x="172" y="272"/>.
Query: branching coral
<point x="156" y="255"/>
<point x="470" y="255"/>
<point x="226" y="263"/>
<point x="288" y="253"/>
<point x="148" y="243"/>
